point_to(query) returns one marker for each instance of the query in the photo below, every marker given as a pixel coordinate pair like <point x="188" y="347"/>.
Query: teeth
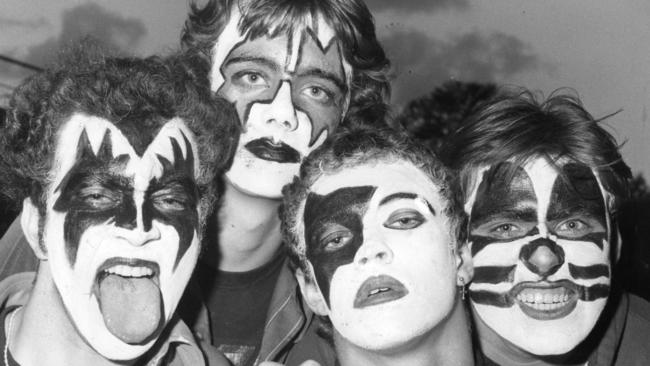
<point x="543" y="300"/>
<point x="378" y="290"/>
<point x="130" y="271"/>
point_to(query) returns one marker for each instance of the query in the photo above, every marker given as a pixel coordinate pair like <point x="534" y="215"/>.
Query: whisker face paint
<point x="380" y="250"/>
<point x="290" y="91"/>
<point x="121" y="229"/>
<point x="539" y="240"/>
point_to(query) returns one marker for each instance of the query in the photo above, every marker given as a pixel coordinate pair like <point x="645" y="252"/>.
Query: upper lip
<point x="265" y="148"/>
<point x="379" y="289"/>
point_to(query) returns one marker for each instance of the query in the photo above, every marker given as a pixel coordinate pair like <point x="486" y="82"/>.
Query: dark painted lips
<point x="265" y="149"/>
<point x="546" y="300"/>
<point x="378" y="290"/>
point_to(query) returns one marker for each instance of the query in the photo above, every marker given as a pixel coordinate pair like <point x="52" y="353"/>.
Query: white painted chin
<point x="542" y="337"/>
<point x="258" y="177"/>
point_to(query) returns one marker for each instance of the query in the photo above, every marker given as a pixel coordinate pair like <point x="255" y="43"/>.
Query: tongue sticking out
<point x="131" y="307"/>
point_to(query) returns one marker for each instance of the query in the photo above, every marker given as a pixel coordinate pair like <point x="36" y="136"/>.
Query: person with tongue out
<point x="542" y="183"/>
<point x="371" y="224"/>
<point x="115" y="160"/>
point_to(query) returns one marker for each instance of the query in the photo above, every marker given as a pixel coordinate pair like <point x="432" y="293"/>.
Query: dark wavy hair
<point x="356" y="146"/>
<point x="519" y="126"/>
<point x="145" y="92"/>
<point x="351" y="20"/>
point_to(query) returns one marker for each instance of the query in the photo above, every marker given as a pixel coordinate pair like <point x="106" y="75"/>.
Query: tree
<point x="431" y="118"/>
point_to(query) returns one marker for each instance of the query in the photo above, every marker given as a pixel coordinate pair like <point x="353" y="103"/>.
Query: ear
<point x="29" y="219"/>
<point x="311" y="292"/>
<point x="464" y="265"/>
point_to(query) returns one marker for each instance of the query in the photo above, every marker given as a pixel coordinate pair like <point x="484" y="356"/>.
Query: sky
<point x="600" y="48"/>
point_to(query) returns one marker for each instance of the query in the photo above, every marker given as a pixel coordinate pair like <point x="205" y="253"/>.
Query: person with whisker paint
<point x="543" y="183"/>
<point x="371" y="225"/>
<point x="114" y="161"/>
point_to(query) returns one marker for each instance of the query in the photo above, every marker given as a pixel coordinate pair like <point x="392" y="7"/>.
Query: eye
<point x="573" y="228"/>
<point x="98" y="198"/>
<point x="506" y="231"/>
<point x="336" y="240"/>
<point x="250" y="79"/>
<point x="404" y="220"/>
<point x="318" y="94"/>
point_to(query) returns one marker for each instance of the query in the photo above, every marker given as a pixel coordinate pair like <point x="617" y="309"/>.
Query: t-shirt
<point x="3" y="337"/>
<point x="238" y="304"/>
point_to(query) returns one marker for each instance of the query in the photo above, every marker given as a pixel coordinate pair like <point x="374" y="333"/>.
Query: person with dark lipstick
<point x="542" y="184"/>
<point x="114" y="161"/>
<point x="371" y="224"/>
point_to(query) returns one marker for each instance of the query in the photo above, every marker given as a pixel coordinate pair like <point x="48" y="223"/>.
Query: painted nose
<point x="542" y="256"/>
<point x="139" y="237"/>
<point x="281" y="112"/>
<point x="373" y="250"/>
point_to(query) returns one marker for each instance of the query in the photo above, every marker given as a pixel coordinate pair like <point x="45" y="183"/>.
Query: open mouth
<point x="129" y="298"/>
<point x="266" y="149"/>
<point x="379" y="290"/>
<point x="546" y="300"/>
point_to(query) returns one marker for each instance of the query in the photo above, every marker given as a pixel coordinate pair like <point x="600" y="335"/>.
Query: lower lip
<point x="549" y="311"/>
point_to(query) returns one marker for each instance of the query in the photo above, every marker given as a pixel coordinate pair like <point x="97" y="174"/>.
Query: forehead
<point x="400" y="176"/>
<point x="100" y="131"/>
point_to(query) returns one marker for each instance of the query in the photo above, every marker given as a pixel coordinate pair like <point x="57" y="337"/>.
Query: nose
<point x="373" y="250"/>
<point x="542" y="256"/>
<point x="281" y="113"/>
<point x="139" y="236"/>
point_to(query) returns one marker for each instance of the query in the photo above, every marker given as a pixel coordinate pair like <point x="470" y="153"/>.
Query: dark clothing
<point x="621" y="339"/>
<point x="15" y="253"/>
<point x="238" y="334"/>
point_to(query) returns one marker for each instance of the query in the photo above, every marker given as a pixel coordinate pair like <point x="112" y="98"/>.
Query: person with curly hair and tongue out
<point x="115" y="161"/>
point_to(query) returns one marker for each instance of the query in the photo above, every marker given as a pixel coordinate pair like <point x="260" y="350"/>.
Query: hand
<point x="306" y="363"/>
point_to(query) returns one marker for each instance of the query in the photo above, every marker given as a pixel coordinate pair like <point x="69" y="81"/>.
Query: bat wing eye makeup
<point x="98" y="198"/>
<point x="404" y="219"/>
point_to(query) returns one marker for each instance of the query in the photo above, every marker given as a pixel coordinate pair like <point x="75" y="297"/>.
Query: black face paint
<point x="541" y="263"/>
<point x="506" y="300"/>
<point x="96" y="192"/>
<point x="173" y="198"/>
<point x="494" y="274"/>
<point x="343" y="208"/>
<point x="93" y="193"/>
<point x="588" y="272"/>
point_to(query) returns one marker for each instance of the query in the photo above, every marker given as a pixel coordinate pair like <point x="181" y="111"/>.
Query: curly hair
<point x="350" y="19"/>
<point x="356" y="146"/>
<point x="518" y="126"/>
<point x="145" y="92"/>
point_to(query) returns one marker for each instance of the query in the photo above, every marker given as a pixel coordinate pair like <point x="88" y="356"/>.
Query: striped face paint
<point x="121" y="229"/>
<point x="290" y="91"/>
<point x="380" y="246"/>
<point x="540" y="247"/>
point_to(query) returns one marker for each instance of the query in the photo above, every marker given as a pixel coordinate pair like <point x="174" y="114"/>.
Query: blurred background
<point x="448" y="55"/>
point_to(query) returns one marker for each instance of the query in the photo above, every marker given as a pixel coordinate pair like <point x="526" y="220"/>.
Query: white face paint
<point x="290" y="91"/>
<point x="121" y="231"/>
<point x="382" y="254"/>
<point x="541" y="254"/>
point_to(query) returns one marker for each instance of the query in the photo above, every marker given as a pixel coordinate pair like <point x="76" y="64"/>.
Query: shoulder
<point x="633" y="347"/>
<point x="15" y="289"/>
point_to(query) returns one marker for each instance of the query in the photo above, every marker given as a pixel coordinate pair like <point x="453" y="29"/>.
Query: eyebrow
<point x="325" y="75"/>
<point x="405" y="195"/>
<point x="255" y="59"/>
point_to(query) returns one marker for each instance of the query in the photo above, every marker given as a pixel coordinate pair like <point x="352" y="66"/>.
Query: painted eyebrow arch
<point x="405" y="195"/>
<point x="255" y="59"/>
<point x="325" y="75"/>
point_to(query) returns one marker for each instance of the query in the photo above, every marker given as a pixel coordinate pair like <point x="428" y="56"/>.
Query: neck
<point x="249" y="231"/>
<point x="503" y="352"/>
<point x="448" y="344"/>
<point x="43" y="333"/>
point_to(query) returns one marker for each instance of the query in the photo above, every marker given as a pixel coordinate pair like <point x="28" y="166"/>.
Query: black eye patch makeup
<point x="343" y="210"/>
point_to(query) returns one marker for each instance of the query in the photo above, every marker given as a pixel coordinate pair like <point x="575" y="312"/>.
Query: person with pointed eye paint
<point x="543" y="182"/>
<point x="295" y="70"/>
<point x="116" y="192"/>
<point x="371" y="225"/>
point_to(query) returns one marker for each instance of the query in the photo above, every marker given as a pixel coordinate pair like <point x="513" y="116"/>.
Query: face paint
<point x="539" y="242"/>
<point x="121" y="231"/>
<point x="290" y="91"/>
<point x="381" y="252"/>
